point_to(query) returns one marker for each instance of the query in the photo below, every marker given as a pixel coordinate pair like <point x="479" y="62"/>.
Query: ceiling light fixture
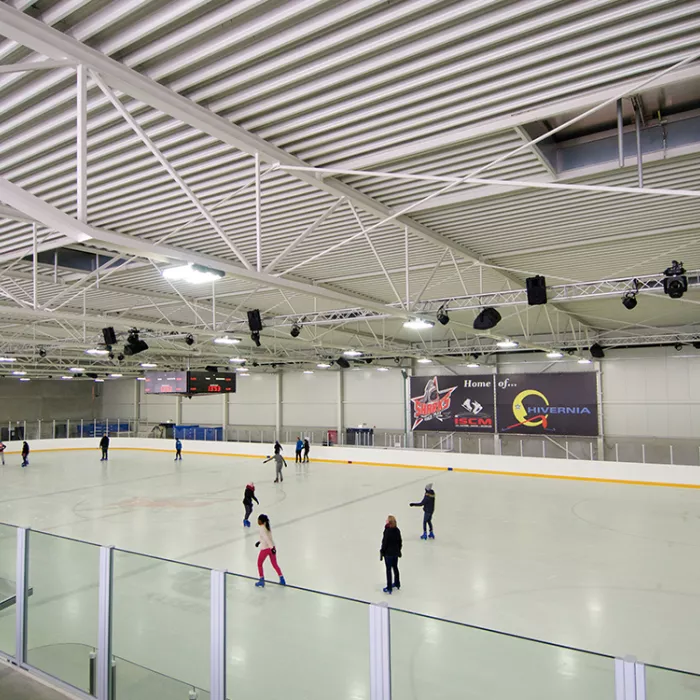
<point x="97" y="351"/>
<point x="19" y="373"/>
<point x="308" y="371"/>
<point x="237" y="360"/>
<point x="140" y="379"/>
<point x="77" y="370"/>
<point x="225" y="340"/>
<point x="425" y="361"/>
<point x="352" y="353"/>
<point x="148" y="365"/>
<point x="67" y="377"/>
<point x="99" y="380"/>
<point x="8" y="359"/>
<point x="584" y="361"/>
<point x="554" y="355"/>
<point x="192" y="274"/>
<point x="418" y="324"/>
<point x="323" y="365"/>
<point x="116" y="375"/>
<point x="382" y="369"/>
<point x="473" y="365"/>
<point x="507" y="344"/>
<point x="25" y="379"/>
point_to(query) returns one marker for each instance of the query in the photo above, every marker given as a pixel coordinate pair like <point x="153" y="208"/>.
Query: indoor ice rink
<point x="426" y="273"/>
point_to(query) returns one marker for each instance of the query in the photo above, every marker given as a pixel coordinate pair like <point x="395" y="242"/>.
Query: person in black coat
<point x="25" y="454"/>
<point x="248" y="498"/>
<point x="278" y="447"/>
<point x="104" y="445"/>
<point x="391" y="553"/>
<point x="307" y="447"/>
<point x="428" y="504"/>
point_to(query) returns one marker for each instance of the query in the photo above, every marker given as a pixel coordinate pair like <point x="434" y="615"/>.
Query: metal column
<point x="81" y="156"/>
<point x="21" y="595"/>
<point x="379" y="652"/>
<point x="620" y="136"/>
<point x="599" y="399"/>
<point x="341" y="405"/>
<point x="278" y="406"/>
<point x="218" y="636"/>
<point x="638" y="135"/>
<point x="224" y="415"/>
<point x="104" y="625"/>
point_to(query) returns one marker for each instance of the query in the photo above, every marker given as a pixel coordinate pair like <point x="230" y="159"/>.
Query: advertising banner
<point x="543" y="404"/>
<point x="456" y="403"/>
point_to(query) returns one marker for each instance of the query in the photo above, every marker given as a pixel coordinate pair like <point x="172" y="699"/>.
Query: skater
<point x="279" y="463"/>
<point x="267" y="549"/>
<point x="391" y="553"/>
<point x="278" y="447"/>
<point x="25" y="454"/>
<point x="428" y="504"/>
<point x="299" y="448"/>
<point x="307" y="447"/>
<point x="104" y="444"/>
<point x="2" y="452"/>
<point x="178" y="449"/>
<point x="248" y="498"/>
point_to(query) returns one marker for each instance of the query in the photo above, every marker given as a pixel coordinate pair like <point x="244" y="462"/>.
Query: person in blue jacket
<point x="299" y="448"/>
<point x="178" y="449"/>
<point x="428" y="504"/>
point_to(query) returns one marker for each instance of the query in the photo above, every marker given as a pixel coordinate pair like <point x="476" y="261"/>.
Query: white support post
<point x="278" y="405"/>
<point x="21" y="595"/>
<point x="178" y="410"/>
<point x="670" y="453"/>
<point x="599" y="399"/>
<point x="380" y="652"/>
<point x="35" y="263"/>
<point x="218" y="636"/>
<point x="81" y="128"/>
<point x="104" y="624"/>
<point x="630" y="679"/>
<point x="224" y="415"/>
<point x="341" y="405"/>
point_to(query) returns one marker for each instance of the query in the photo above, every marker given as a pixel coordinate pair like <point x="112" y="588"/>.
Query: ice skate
<point x="260" y="583"/>
<point x="282" y="581"/>
<point x="424" y="536"/>
<point x="431" y="536"/>
<point x="387" y="590"/>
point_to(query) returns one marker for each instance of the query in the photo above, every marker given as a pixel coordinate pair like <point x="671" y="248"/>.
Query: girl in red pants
<point x="268" y="549"/>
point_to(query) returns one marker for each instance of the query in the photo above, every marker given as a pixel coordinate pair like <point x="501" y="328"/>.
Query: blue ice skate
<point x="424" y="536"/>
<point x="431" y="536"/>
<point x="260" y="583"/>
<point x="282" y="581"/>
<point x="387" y="590"/>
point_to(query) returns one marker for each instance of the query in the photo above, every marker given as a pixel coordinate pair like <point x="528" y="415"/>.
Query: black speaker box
<point x="536" y="290"/>
<point x="254" y="321"/>
<point x="487" y="319"/>
<point x="342" y="362"/>
<point x="596" y="351"/>
<point x="109" y="336"/>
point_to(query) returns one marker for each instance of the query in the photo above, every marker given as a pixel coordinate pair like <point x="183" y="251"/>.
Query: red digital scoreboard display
<point x="166" y="382"/>
<point x="203" y="383"/>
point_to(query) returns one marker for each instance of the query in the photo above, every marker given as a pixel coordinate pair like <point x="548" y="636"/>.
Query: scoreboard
<point x="192" y="382"/>
<point x="201" y="382"/>
<point x="166" y="382"/>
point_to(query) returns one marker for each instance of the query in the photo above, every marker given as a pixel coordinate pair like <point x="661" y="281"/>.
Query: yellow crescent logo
<point x="519" y="410"/>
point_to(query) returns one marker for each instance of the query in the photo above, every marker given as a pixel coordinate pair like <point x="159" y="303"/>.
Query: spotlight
<point x="696" y="344"/>
<point x="488" y="318"/>
<point x="254" y="321"/>
<point x="134" y="344"/>
<point x="120" y="357"/>
<point x="189" y="339"/>
<point x="368" y="360"/>
<point x="442" y="316"/>
<point x="342" y="362"/>
<point x="42" y="352"/>
<point x="296" y="329"/>
<point x="596" y="351"/>
<point x="255" y="337"/>
<point x="675" y="282"/>
<point x="678" y="347"/>
<point x="212" y="369"/>
<point x="397" y="360"/>
<point x="629" y="301"/>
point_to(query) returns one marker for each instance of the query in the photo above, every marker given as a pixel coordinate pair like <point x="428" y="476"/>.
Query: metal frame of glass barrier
<point x="629" y="675"/>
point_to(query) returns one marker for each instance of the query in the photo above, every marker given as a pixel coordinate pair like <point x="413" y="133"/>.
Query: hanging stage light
<point x="675" y="281"/>
<point x="442" y="316"/>
<point x="629" y="301"/>
<point x="295" y="331"/>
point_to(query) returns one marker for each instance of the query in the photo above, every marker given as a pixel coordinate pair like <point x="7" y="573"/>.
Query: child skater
<point x="390" y="552"/>
<point x="25" y="454"/>
<point x="2" y="452"/>
<point x="428" y="504"/>
<point x="248" y="499"/>
<point x="178" y="449"/>
<point x="307" y="447"/>
<point x="267" y="549"/>
<point x="279" y="463"/>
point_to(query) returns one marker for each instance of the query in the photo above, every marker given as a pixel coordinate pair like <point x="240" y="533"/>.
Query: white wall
<point x="118" y="399"/>
<point x="48" y="399"/>
<point x="647" y="392"/>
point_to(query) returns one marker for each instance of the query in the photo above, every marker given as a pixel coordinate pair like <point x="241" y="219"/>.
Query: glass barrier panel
<point x="667" y="684"/>
<point x="62" y="609"/>
<point x="442" y="660"/>
<point x="8" y="578"/>
<point x="284" y="642"/>
<point x="160" y="627"/>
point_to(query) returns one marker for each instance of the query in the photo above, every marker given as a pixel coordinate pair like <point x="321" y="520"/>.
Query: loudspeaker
<point x="109" y="336"/>
<point x="536" y="290"/>
<point x="342" y="362"/>
<point x="596" y="351"/>
<point x="254" y="321"/>
<point x="212" y="369"/>
<point x="488" y="318"/>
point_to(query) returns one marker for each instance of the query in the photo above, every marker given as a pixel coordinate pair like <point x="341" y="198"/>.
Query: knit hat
<point x="251" y="486"/>
<point x="429" y="487"/>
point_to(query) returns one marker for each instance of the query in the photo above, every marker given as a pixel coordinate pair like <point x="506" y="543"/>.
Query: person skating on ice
<point x="428" y="504"/>
<point x="267" y="549"/>
<point x="2" y="452"/>
<point x="178" y="449"/>
<point x="104" y="446"/>
<point x="248" y="498"/>
<point x="299" y="448"/>
<point x="278" y="447"/>
<point x="279" y="463"/>
<point x="307" y="447"/>
<point x="25" y="454"/>
<point x="390" y="552"/>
